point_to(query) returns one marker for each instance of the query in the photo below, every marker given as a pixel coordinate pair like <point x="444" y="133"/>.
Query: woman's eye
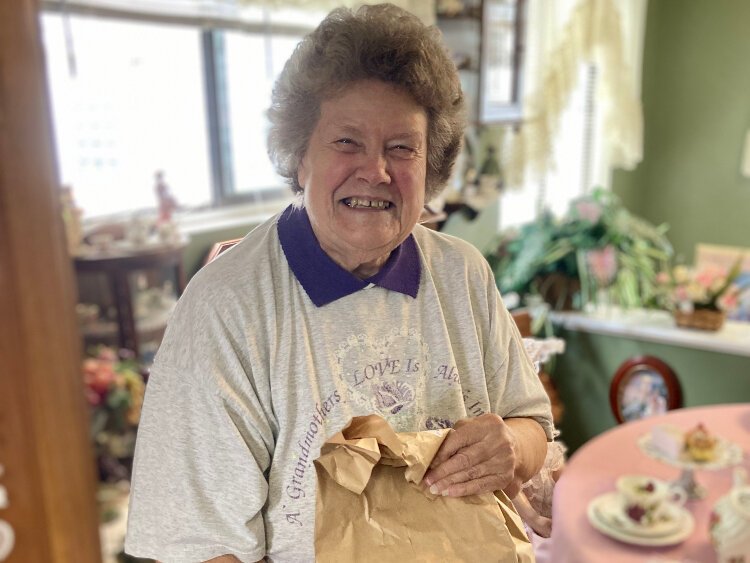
<point x="402" y="149"/>
<point x="346" y="144"/>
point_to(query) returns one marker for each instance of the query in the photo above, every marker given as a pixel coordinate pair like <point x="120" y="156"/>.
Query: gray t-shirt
<point x="252" y="377"/>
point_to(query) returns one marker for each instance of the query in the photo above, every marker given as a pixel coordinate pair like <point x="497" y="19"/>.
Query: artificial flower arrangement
<point x="700" y="297"/>
<point x="597" y="244"/>
<point x="114" y="385"/>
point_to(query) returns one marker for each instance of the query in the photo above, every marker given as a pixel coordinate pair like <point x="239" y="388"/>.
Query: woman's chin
<point x="367" y="215"/>
<point x="372" y="247"/>
<point x="370" y="228"/>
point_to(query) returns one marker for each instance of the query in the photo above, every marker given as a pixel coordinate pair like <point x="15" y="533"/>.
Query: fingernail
<point x="444" y="493"/>
<point x="434" y="490"/>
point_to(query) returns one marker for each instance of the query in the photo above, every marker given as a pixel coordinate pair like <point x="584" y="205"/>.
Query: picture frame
<point x="644" y="386"/>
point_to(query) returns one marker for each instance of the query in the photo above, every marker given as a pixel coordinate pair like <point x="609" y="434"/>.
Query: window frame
<point x="223" y="192"/>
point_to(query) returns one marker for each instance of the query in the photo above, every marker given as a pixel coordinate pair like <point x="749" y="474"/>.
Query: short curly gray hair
<point x="382" y="42"/>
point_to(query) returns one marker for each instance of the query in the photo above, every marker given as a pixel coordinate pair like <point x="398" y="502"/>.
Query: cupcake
<point x="700" y="445"/>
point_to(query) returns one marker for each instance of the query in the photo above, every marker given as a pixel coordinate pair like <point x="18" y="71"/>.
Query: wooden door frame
<point x="49" y="471"/>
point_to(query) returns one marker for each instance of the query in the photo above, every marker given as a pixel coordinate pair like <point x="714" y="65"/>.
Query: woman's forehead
<point x="366" y="103"/>
<point x="361" y="126"/>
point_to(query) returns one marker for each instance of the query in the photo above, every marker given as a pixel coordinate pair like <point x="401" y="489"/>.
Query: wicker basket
<point x="702" y="319"/>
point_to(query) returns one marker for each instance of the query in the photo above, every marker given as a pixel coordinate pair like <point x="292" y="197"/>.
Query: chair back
<point x="218" y="248"/>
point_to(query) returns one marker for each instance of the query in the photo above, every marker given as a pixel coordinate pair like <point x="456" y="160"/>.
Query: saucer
<point x="606" y="515"/>
<point x="611" y="509"/>
<point x="665" y="443"/>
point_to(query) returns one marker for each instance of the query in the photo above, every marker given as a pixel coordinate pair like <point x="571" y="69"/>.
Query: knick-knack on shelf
<point x="72" y="218"/>
<point x="167" y="202"/>
<point x="490" y="176"/>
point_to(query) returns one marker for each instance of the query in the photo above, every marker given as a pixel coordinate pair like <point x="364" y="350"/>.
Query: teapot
<point x="730" y="522"/>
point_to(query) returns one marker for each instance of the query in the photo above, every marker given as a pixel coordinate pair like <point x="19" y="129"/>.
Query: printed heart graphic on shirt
<point x="385" y="376"/>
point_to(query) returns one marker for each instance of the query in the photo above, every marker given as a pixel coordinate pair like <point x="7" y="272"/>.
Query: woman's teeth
<point x="357" y="202"/>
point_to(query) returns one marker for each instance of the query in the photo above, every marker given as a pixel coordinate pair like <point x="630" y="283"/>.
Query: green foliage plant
<point x="525" y="257"/>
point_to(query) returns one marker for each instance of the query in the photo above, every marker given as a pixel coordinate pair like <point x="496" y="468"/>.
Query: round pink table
<point x="593" y="469"/>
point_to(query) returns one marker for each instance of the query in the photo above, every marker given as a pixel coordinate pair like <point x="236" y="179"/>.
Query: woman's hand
<point x="487" y="454"/>
<point x="479" y="456"/>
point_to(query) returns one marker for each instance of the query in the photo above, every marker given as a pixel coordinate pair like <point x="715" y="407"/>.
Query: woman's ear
<point x="302" y="172"/>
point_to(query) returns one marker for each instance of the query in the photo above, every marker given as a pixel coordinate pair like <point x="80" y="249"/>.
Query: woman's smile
<point x="364" y="203"/>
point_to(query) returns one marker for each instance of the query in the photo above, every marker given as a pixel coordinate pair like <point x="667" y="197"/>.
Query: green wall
<point x="705" y="378"/>
<point x="696" y="99"/>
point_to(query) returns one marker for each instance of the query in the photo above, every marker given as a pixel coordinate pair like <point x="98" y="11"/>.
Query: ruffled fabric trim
<point x="592" y="35"/>
<point x="540" y="487"/>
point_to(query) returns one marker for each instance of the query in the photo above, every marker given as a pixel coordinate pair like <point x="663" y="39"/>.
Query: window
<point x="131" y="97"/>
<point x="576" y="153"/>
<point x="251" y="73"/>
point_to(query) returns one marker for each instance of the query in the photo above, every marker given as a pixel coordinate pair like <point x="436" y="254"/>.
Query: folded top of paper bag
<point x="349" y="456"/>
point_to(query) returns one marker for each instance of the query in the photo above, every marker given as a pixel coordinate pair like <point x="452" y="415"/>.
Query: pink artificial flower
<point x="681" y="293"/>
<point x="662" y="278"/>
<point x="588" y="210"/>
<point x="729" y="300"/>
<point x="90" y="366"/>
<point x="92" y="397"/>
<point x="107" y="354"/>
<point x="710" y="276"/>
<point x="603" y="264"/>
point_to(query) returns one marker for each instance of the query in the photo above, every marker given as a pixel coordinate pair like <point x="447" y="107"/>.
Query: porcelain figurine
<point x="730" y="522"/>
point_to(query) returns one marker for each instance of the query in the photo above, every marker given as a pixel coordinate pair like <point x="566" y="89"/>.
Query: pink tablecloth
<point x="595" y="467"/>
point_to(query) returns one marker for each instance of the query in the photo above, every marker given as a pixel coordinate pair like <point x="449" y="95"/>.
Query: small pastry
<point x="700" y="444"/>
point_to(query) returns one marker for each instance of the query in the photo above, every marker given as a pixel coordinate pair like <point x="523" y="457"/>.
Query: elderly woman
<point x="340" y="306"/>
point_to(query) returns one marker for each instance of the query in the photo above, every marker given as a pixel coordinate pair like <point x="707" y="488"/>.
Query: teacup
<point x="647" y="500"/>
<point x="7" y="539"/>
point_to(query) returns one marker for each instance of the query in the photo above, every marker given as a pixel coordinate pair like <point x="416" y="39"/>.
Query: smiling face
<point x="363" y="174"/>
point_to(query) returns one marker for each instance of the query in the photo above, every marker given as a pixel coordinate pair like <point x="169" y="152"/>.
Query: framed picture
<point x="643" y="386"/>
<point x="725" y="257"/>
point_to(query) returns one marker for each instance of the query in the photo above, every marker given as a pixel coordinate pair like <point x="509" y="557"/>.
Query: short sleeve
<point x="514" y="387"/>
<point x="204" y="446"/>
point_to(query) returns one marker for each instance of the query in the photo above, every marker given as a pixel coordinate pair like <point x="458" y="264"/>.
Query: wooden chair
<point x="644" y="386"/>
<point x="220" y="247"/>
<point x="522" y="318"/>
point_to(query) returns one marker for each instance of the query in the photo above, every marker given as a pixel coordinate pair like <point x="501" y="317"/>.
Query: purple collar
<point x="324" y="280"/>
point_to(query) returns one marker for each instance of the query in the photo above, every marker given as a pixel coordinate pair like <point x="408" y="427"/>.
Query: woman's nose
<point x="373" y="169"/>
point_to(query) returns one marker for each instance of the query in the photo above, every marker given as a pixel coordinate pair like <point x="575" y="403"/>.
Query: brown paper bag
<point x="370" y="507"/>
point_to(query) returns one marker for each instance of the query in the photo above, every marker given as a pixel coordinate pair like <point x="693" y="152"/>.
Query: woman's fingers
<point x="465" y="481"/>
<point x="487" y="484"/>
<point x="465" y="433"/>
<point x="458" y="452"/>
<point x="476" y="457"/>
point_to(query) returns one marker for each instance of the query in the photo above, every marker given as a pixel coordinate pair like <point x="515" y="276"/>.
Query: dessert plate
<point x="665" y="443"/>
<point x="605" y="513"/>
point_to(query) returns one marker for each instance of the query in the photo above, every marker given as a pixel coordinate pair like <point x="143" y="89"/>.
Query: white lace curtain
<point x="563" y="37"/>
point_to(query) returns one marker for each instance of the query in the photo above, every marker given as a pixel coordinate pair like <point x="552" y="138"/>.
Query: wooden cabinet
<point x="125" y="298"/>
<point x="486" y="39"/>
